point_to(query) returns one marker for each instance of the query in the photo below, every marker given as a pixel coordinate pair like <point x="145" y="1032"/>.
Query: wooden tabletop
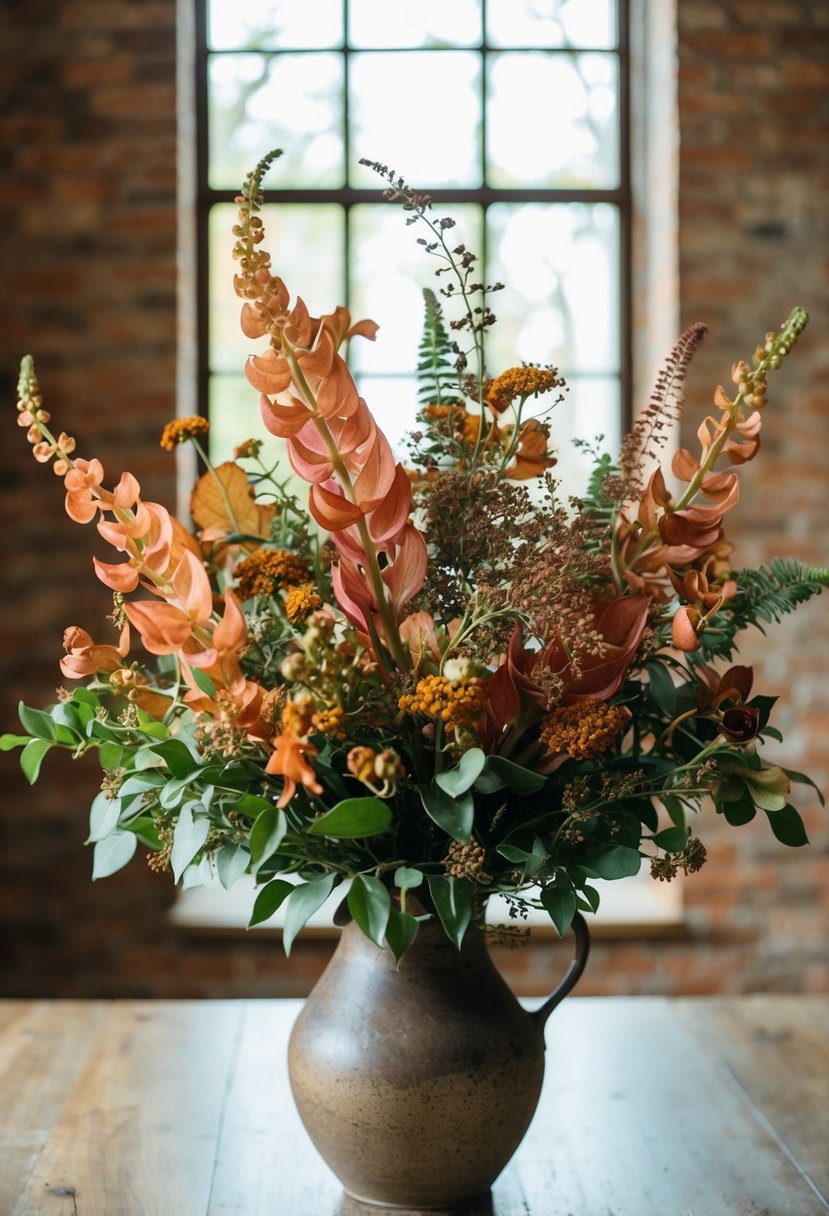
<point x="689" y="1107"/>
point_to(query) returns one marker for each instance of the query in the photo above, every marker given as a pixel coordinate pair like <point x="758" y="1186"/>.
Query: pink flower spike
<point x="404" y="577"/>
<point x="127" y="492"/>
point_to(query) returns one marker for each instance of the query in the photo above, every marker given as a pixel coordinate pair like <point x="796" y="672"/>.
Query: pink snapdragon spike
<point x="358" y="492"/>
<point x="85" y="658"/>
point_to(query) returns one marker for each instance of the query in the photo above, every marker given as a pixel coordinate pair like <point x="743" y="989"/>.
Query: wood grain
<point x="692" y="1107"/>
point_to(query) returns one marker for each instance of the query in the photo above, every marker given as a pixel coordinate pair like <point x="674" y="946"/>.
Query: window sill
<point x="637" y="907"/>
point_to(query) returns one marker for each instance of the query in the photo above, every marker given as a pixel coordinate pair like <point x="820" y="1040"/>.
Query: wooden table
<point x="691" y="1107"/>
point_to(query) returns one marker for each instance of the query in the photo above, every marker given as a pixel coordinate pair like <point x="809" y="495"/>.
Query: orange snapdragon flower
<point x="85" y="658"/>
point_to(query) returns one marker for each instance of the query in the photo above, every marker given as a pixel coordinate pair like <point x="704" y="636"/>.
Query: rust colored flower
<point x="583" y="730"/>
<point x="300" y="602"/>
<point x="269" y="570"/>
<point x="182" y="429"/>
<point x="520" y="382"/>
<point x="289" y="761"/>
<point x="532" y="457"/>
<point x="456" y="704"/>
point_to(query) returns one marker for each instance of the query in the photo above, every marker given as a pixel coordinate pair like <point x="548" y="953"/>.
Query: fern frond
<point x="437" y="378"/>
<point x="764" y="596"/>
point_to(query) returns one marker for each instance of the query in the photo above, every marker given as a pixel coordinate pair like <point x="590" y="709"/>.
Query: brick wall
<point x="88" y="235"/>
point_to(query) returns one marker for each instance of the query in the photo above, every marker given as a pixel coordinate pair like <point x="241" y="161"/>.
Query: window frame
<point x="346" y="196"/>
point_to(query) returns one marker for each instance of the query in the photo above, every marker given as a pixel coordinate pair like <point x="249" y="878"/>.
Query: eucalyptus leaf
<point x="401" y="931"/>
<point x="189" y="835"/>
<point x="672" y="840"/>
<point x="370" y="904"/>
<point x="522" y="780"/>
<point x="9" y="742"/>
<point x="455" y="815"/>
<point x="232" y="860"/>
<point x="271" y="897"/>
<point x="113" y="853"/>
<point x="614" y="861"/>
<point x="103" y="817"/>
<point x="204" y="681"/>
<point x="31" y="758"/>
<point x="302" y="903"/>
<point x="180" y="761"/>
<point x="663" y="689"/>
<point x="458" y="780"/>
<point x="36" y="721"/>
<point x="407" y="878"/>
<point x="267" y="834"/>
<point x="354" y="818"/>
<point x="452" y="898"/>
<point x="559" y="902"/>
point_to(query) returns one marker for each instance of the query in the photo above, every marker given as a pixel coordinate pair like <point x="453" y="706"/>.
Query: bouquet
<point x="438" y="678"/>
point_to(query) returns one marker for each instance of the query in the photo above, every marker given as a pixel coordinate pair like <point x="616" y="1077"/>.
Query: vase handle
<point x="573" y="974"/>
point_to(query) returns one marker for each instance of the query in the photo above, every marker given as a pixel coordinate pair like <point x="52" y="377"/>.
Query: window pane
<point x="393" y="402"/>
<point x="590" y="408"/>
<point x="389" y="271"/>
<point x="414" y="23"/>
<point x="581" y="146"/>
<point x="234" y="416"/>
<point x="307" y="244"/>
<point x="560" y="264"/>
<point x="551" y="23"/>
<point x="419" y="112"/>
<point x="293" y="102"/>
<point x="258" y="25"/>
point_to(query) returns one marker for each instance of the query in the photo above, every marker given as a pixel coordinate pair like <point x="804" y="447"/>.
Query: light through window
<point x="511" y="113"/>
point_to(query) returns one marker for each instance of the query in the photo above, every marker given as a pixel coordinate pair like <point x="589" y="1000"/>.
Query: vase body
<point x="416" y="1083"/>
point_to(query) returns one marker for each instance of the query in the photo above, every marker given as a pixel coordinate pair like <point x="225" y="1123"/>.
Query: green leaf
<point x="9" y="742"/>
<point x="788" y="827"/>
<point x="370" y="904"/>
<point x="272" y="895"/>
<point x="267" y="835"/>
<point x="189" y="835"/>
<point x="672" y="840"/>
<point x="113" y="853"/>
<point x="204" y="681"/>
<point x="303" y="902"/>
<point x="522" y="780"/>
<point x="232" y="860"/>
<point x="139" y="783"/>
<point x="532" y="861"/>
<point x="674" y="808"/>
<point x="180" y="761"/>
<point x="591" y="899"/>
<point x="36" y="722"/>
<point x="458" y="780"/>
<point x="663" y="689"/>
<point x="110" y="755"/>
<point x="614" y="861"/>
<point x="452" y="898"/>
<point x="31" y="758"/>
<point x="769" y="788"/>
<point x="251" y="804"/>
<point x="738" y="811"/>
<point x="455" y="815"/>
<point x="353" y="818"/>
<point x="407" y="878"/>
<point x="400" y="932"/>
<point x="802" y="779"/>
<point x="103" y="817"/>
<point x="560" y="904"/>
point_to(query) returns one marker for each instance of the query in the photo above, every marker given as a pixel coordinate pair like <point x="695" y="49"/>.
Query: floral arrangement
<point x="441" y="677"/>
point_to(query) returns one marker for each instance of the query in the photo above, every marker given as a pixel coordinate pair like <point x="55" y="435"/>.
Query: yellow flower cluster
<point x="182" y="429"/>
<point x="300" y="602"/>
<point x="520" y="382"/>
<point x="329" y="722"/>
<point x="583" y="730"/>
<point x="456" y="704"/>
<point x="267" y="570"/>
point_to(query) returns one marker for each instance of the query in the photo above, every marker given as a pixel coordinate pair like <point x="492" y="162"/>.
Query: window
<point x="511" y="113"/>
